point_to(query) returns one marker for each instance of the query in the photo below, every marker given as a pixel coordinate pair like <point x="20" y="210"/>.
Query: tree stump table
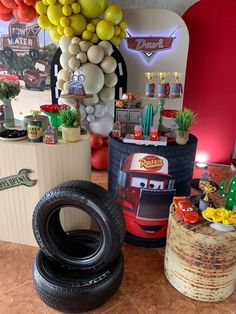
<point x="200" y="262"/>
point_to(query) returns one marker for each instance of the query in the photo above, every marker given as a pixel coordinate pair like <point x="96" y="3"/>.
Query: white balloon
<point x="65" y="88"/>
<point x="111" y="79"/>
<point x="100" y="110"/>
<point x="107" y="94"/>
<point x="59" y="84"/>
<point x="95" y="54"/>
<point x="83" y="113"/>
<point x="73" y="63"/>
<point x="64" y="59"/>
<point x="74" y="49"/>
<point x="75" y="40"/>
<point x="84" y="45"/>
<point x="64" y="43"/>
<point x="94" y="78"/>
<point x="107" y="47"/>
<point x="82" y="57"/>
<point x="64" y="75"/>
<point x="109" y="64"/>
<point x="102" y="126"/>
<point x="90" y="118"/>
<point x="89" y="109"/>
<point x="91" y="100"/>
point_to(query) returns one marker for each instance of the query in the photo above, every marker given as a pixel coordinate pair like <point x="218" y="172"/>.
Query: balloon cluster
<point x="22" y="10"/>
<point x="82" y="18"/>
<point x="99" y="151"/>
<point x="98" y="66"/>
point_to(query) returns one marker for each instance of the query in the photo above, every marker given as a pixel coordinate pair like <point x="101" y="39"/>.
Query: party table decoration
<point x="52" y="110"/>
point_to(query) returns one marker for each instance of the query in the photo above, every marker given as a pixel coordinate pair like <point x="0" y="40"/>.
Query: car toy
<point x="184" y="209"/>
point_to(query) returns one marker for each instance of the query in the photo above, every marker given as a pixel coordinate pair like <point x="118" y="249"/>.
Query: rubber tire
<point x="180" y="158"/>
<point x="71" y="291"/>
<point x="96" y="202"/>
<point x="151" y="243"/>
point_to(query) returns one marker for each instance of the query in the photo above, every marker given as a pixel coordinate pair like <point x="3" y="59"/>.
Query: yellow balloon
<point x="105" y="30"/>
<point x="64" y="21"/>
<point x="41" y="8"/>
<point x="122" y="35"/>
<point x="66" y="2"/>
<point x="51" y="1"/>
<point x="94" y="39"/>
<point x="115" y="40"/>
<point x="117" y="30"/>
<point x="45" y="2"/>
<point x="68" y="31"/>
<point x="43" y="21"/>
<point x="95" y="21"/>
<point x="66" y="10"/>
<point x="113" y="13"/>
<point x="86" y="35"/>
<point x="54" y="35"/>
<point x="75" y="8"/>
<point x="78" y="23"/>
<point x="54" y="13"/>
<point x="60" y="30"/>
<point x="90" y="27"/>
<point x="92" y="8"/>
<point x="123" y="25"/>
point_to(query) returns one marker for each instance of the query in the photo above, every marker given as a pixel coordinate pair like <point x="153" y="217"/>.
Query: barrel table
<point x="200" y="262"/>
<point x="49" y="165"/>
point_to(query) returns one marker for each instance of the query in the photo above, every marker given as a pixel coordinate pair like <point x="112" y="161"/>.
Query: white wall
<point x="178" y="6"/>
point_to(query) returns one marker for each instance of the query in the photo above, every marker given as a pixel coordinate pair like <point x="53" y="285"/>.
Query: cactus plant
<point x="147" y="121"/>
<point x="231" y="195"/>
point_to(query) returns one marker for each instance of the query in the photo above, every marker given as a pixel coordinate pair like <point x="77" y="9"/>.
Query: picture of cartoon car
<point x="184" y="209"/>
<point x="9" y="77"/>
<point x="145" y="192"/>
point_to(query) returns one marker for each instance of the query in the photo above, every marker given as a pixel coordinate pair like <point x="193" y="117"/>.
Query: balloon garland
<point x="92" y="20"/>
<point x="22" y="10"/>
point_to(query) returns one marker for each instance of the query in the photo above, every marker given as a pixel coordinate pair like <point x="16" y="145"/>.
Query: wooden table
<point x="50" y="165"/>
<point x="200" y="262"/>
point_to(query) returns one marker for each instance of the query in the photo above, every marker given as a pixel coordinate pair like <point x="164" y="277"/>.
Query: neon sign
<point x="149" y="46"/>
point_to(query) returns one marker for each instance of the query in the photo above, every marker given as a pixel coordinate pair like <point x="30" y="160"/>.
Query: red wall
<point x="210" y="86"/>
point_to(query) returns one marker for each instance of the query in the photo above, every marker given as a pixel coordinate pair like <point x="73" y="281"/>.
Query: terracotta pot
<point x="70" y="134"/>
<point x="182" y="137"/>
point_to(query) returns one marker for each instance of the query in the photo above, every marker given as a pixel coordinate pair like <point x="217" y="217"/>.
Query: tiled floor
<point x="144" y="288"/>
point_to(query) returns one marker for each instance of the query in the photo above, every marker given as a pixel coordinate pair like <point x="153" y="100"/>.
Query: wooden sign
<point x="19" y="179"/>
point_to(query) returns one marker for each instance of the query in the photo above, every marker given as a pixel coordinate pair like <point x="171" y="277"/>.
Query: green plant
<point x="184" y="119"/>
<point x="70" y="117"/>
<point x="8" y="89"/>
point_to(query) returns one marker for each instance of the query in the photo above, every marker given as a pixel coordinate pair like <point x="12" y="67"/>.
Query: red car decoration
<point x="184" y="209"/>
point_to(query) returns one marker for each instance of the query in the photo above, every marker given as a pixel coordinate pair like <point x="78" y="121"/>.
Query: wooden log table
<point x="200" y="262"/>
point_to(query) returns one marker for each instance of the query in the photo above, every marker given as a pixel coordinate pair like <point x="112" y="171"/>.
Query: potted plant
<point x="70" y="118"/>
<point x="8" y="89"/>
<point x="183" y="120"/>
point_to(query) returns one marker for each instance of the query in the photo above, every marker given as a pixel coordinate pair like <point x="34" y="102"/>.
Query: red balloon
<point x="3" y="9"/>
<point x="9" y="4"/>
<point x="100" y="158"/>
<point x="6" y="17"/>
<point x="15" y="14"/>
<point x="96" y="141"/>
<point x="26" y="13"/>
<point x="105" y="141"/>
<point x="29" y="2"/>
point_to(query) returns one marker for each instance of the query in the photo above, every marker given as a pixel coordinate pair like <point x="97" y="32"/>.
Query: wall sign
<point x="21" y="38"/>
<point x="148" y="46"/>
<point x="19" y="179"/>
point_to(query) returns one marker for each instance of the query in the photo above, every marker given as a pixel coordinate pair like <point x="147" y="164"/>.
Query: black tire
<point x="71" y="291"/>
<point x="42" y="86"/>
<point x="96" y="202"/>
<point x="151" y="243"/>
<point x="180" y="157"/>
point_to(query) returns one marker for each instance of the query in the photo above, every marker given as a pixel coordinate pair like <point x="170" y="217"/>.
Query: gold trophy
<point x="150" y="86"/>
<point x="176" y="88"/>
<point x="207" y="188"/>
<point x="163" y="88"/>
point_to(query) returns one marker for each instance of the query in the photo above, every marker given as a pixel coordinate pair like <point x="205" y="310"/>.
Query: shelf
<point x="76" y="96"/>
<point x="159" y="98"/>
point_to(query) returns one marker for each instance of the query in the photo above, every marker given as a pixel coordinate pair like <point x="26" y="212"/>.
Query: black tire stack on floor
<point x="80" y="270"/>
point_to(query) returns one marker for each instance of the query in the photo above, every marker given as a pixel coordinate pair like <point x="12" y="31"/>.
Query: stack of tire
<point x="80" y="270"/>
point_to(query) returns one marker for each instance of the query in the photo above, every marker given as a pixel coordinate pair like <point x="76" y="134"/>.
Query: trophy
<point x="163" y="89"/>
<point x="207" y="188"/>
<point x="150" y="86"/>
<point x="176" y="88"/>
